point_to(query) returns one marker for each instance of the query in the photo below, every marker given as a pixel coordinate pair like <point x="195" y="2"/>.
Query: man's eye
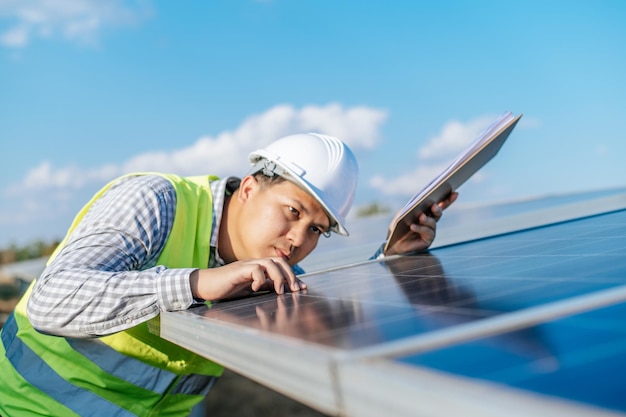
<point x="294" y="211"/>
<point x="319" y="231"/>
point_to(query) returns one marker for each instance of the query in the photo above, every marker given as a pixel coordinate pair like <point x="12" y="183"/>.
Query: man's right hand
<point x="244" y="277"/>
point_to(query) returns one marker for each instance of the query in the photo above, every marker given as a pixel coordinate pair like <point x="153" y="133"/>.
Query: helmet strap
<point x="270" y="169"/>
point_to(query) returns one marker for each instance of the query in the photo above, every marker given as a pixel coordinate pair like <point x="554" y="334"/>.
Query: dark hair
<point x="267" y="180"/>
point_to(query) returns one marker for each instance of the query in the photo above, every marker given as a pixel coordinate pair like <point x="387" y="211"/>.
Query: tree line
<point x="32" y="250"/>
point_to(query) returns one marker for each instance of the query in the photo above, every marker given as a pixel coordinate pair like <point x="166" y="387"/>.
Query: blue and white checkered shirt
<point x="106" y="279"/>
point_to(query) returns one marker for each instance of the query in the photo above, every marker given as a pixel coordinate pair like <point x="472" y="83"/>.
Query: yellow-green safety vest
<point x="130" y="373"/>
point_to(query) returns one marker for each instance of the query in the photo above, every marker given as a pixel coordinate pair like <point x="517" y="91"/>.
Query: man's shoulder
<point x="142" y="184"/>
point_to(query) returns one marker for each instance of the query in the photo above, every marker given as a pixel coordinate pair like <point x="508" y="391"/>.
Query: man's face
<point x="278" y="220"/>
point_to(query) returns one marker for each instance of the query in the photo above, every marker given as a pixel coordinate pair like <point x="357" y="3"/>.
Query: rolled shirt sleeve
<point x="106" y="279"/>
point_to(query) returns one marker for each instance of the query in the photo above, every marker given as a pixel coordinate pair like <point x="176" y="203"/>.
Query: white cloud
<point x="15" y="37"/>
<point x="454" y="137"/>
<point x="71" y="177"/>
<point x="75" y="20"/>
<point x="408" y="183"/>
<point x="434" y="157"/>
<point x="358" y="125"/>
<point x="48" y="196"/>
<point x="225" y="153"/>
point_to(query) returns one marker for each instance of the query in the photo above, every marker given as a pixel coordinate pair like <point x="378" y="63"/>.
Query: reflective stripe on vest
<point x="34" y="370"/>
<point x="130" y="373"/>
<point x="130" y="370"/>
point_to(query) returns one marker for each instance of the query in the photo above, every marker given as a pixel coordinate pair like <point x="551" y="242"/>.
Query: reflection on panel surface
<point x="378" y="302"/>
<point x="541" y="310"/>
<point x="580" y="357"/>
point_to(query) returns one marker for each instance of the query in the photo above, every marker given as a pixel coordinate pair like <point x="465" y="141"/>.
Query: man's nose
<point x="297" y="235"/>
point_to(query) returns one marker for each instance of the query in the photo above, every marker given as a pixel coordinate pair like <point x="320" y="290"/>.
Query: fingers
<point x="273" y="273"/>
<point x="448" y="201"/>
<point x="422" y="233"/>
<point x="259" y="278"/>
<point x="280" y="273"/>
<point x="428" y="221"/>
<point x="425" y="229"/>
<point x="436" y="211"/>
<point x="241" y="277"/>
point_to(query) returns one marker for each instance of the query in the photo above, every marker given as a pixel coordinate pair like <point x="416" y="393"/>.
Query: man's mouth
<point x="283" y="253"/>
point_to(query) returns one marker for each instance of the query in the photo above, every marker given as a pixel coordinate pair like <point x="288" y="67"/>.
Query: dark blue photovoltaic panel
<point x="529" y="290"/>
<point x="375" y="303"/>
<point x="541" y="265"/>
<point x="366" y="234"/>
<point x="580" y="358"/>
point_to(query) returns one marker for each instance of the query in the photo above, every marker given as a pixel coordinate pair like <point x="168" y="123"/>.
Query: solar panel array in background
<point x="367" y="233"/>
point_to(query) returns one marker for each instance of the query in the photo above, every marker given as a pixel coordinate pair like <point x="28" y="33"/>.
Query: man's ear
<point x="248" y="186"/>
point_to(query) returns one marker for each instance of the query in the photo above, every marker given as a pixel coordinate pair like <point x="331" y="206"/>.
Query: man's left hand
<point x="422" y="233"/>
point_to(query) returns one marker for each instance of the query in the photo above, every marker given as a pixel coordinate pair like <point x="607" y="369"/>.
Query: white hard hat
<point x="321" y="165"/>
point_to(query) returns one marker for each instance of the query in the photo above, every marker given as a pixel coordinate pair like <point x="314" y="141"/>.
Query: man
<point x="84" y="340"/>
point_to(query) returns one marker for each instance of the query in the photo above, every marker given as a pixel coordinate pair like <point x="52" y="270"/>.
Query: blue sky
<point x="90" y="90"/>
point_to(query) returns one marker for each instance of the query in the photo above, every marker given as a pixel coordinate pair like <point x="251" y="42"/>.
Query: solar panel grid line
<point x="464" y="223"/>
<point x="525" y="282"/>
<point x="524" y="221"/>
<point x="418" y="391"/>
<point x="494" y="325"/>
<point x="349" y="270"/>
<point x="523" y="276"/>
<point x="483" y="298"/>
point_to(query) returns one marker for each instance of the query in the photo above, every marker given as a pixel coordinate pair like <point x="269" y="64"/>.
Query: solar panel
<point x="579" y="358"/>
<point x="462" y="223"/>
<point x="519" y="316"/>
